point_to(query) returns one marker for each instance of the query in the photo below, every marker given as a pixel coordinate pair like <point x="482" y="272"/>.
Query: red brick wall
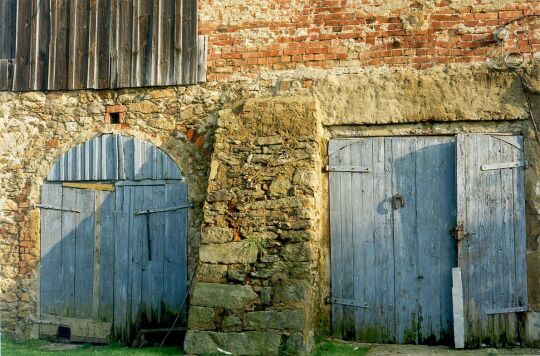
<point x="250" y="36"/>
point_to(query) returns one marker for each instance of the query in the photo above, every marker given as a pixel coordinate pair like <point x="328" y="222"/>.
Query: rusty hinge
<point x="459" y="234"/>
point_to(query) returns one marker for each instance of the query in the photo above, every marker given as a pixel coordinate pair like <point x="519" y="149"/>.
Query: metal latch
<point x="42" y="206"/>
<point x="398" y="200"/>
<point x="459" y="234"/>
<point x="349" y="302"/>
<point x="172" y="208"/>
<point x="351" y="169"/>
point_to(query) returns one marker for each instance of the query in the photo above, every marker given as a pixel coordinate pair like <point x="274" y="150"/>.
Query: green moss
<point x="335" y="348"/>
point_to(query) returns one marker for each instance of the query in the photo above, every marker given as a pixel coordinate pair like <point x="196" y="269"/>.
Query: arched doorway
<point x="113" y="241"/>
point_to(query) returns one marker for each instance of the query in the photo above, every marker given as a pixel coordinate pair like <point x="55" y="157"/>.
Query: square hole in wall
<point x="114" y="114"/>
<point x="63" y="334"/>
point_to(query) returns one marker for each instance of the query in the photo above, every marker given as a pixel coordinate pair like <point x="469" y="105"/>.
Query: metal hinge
<point x="352" y="169"/>
<point x="507" y="310"/>
<point x="348" y="302"/>
<point x="54" y="208"/>
<point x="515" y="164"/>
<point x="151" y="211"/>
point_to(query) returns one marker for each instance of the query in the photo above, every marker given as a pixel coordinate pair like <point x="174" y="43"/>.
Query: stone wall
<point x="252" y="152"/>
<point x="258" y="277"/>
<point x="36" y="128"/>
<point x="247" y="37"/>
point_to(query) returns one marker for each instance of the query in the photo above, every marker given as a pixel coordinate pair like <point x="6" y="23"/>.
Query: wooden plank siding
<point x="99" y="44"/>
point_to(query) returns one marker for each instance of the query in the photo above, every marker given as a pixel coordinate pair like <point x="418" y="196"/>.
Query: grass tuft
<point x="334" y="348"/>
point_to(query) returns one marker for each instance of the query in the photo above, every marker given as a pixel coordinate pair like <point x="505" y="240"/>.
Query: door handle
<point x="398" y="200"/>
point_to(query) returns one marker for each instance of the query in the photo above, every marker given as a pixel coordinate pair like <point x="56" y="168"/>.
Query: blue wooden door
<point x="492" y="239"/>
<point x="113" y="246"/>
<point x="392" y="204"/>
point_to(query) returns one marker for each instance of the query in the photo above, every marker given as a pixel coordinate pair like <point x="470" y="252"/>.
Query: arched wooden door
<point x="113" y="241"/>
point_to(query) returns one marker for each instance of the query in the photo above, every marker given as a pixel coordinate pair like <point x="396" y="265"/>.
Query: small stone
<point x="228" y="253"/>
<point x="145" y="107"/>
<point x="211" y="273"/>
<point x="216" y="235"/>
<point x="236" y="276"/>
<point x="201" y="318"/>
<point x="269" y="140"/>
<point x="231" y="323"/>
<point x="291" y="293"/>
<point x="273" y="319"/>
<point x="266" y="295"/>
<point x="297" y="252"/>
<point x="95" y="108"/>
<point x="279" y="187"/>
<point x="226" y="296"/>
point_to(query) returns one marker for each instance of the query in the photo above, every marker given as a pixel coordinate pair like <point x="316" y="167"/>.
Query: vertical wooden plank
<point x="124" y="45"/>
<point x="364" y="233"/>
<point x="189" y="42"/>
<point x="178" y="11"/>
<point x="135" y="44"/>
<point x="202" y="58"/>
<point x="520" y="236"/>
<point x="43" y="46"/>
<point x="447" y="205"/>
<point x="51" y="254"/>
<point x="152" y="275"/>
<point x="8" y="12"/>
<point x="155" y="42"/>
<point x="124" y="209"/>
<point x="107" y="250"/>
<point x="457" y="308"/>
<point x="97" y="255"/>
<point x="34" y="43"/>
<point x="405" y="243"/>
<point x="81" y="39"/>
<point x="62" y="44"/>
<point x="146" y="26"/>
<point x="138" y="261"/>
<point x="22" y="75"/>
<point x="114" y="43"/>
<point x="175" y="249"/>
<point x="70" y="221"/>
<point x="335" y="241"/>
<point x="166" y="62"/>
<point x="384" y="236"/>
<point x="103" y="45"/>
<point x="84" y="254"/>
<point x="91" y="50"/>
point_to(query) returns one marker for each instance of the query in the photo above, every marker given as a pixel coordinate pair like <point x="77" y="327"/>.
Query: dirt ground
<point x="417" y="350"/>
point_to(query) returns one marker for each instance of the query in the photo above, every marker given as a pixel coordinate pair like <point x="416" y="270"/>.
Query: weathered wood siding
<point x="106" y="260"/>
<point x="392" y="265"/>
<point x="492" y="254"/>
<point x="114" y="157"/>
<point x="82" y="44"/>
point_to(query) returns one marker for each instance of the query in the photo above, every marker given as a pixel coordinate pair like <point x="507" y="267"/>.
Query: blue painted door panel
<point x="393" y="263"/>
<point x="492" y="253"/>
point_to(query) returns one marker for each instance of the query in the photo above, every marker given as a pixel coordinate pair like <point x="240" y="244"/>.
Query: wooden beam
<point x="94" y="186"/>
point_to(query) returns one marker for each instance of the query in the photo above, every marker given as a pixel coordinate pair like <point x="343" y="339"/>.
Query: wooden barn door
<point x="113" y="241"/>
<point x="150" y="276"/>
<point x="491" y="230"/>
<point x="392" y="203"/>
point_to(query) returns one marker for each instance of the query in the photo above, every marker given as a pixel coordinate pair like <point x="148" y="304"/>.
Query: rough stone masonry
<point x="284" y="78"/>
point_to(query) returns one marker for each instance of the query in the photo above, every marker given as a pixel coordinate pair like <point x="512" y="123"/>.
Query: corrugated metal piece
<point x="114" y="157"/>
<point x="83" y="44"/>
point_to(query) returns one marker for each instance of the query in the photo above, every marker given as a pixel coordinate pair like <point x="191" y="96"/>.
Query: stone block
<point x="201" y="318"/>
<point x="216" y="234"/>
<point x="292" y="293"/>
<point x="269" y="140"/>
<point x="228" y="253"/>
<point x="222" y="295"/>
<point x="297" y="252"/>
<point x="211" y="273"/>
<point x="231" y="323"/>
<point x="246" y="343"/>
<point x="274" y="319"/>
